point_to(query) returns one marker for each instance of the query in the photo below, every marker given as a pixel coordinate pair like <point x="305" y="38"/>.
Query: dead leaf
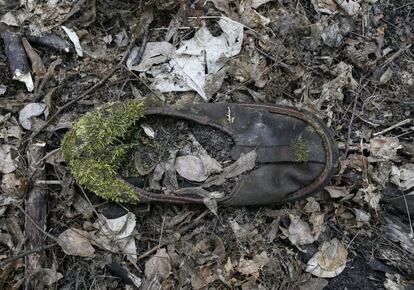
<point x="75" y="40"/>
<point x="299" y="232"/>
<point x="325" y="6"/>
<point x="383" y="149"/>
<point x="159" y="265"/>
<point x="7" y="163"/>
<point x="148" y="130"/>
<point x="349" y="6"/>
<point x="399" y="232"/>
<point x="245" y="163"/>
<point x="38" y="67"/>
<point x="203" y="276"/>
<point x="76" y="242"/>
<point x="117" y="235"/>
<point x="337" y="191"/>
<point x="155" y="53"/>
<point x="248" y="267"/>
<point x="313" y="284"/>
<point x="3" y="89"/>
<point x="199" y="63"/>
<point x="191" y="168"/>
<point x="12" y="185"/>
<point x="329" y="261"/>
<point x="403" y="176"/>
<point x="29" y="111"/>
<point x="332" y="36"/>
<point x="49" y="276"/>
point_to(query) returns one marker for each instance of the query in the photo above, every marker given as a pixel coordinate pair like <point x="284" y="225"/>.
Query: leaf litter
<point x="347" y="61"/>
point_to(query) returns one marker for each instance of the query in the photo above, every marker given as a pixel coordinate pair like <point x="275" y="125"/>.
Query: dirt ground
<point x="349" y="62"/>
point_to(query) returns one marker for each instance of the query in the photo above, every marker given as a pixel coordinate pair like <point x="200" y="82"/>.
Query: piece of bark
<point x="51" y="41"/>
<point x="16" y="56"/>
<point x="35" y="207"/>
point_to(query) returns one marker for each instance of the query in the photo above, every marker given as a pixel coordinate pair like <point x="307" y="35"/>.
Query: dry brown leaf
<point x="203" y="276"/>
<point x="38" y="67"/>
<point x="249" y="267"/>
<point x="329" y="261"/>
<point x="383" y="148"/>
<point x="76" y="242"/>
<point x="299" y="232"/>
<point x="7" y="163"/>
<point x="159" y="265"/>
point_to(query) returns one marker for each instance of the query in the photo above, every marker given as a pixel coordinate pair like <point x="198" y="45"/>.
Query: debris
<point x="38" y="67"/>
<point x="313" y="284"/>
<point x="9" y="19"/>
<point x="386" y="77"/>
<point x="191" y="168"/>
<point x="299" y="232"/>
<point x="75" y="40"/>
<point x="399" y="232"/>
<point x="361" y="216"/>
<point x="148" y="130"/>
<point x="393" y="282"/>
<point x="51" y="41"/>
<point x="325" y="6"/>
<point x="203" y="276"/>
<point x="211" y="165"/>
<point x="252" y="267"/>
<point x="116" y="235"/>
<point x="158" y="266"/>
<point x="332" y="36"/>
<point x="16" y="56"/>
<point x="3" y="89"/>
<point x="351" y="7"/>
<point x="383" y="149"/>
<point x="49" y="276"/>
<point x="329" y="261"/>
<point x="337" y="191"/>
<point x="29" y="111"/>
<point x="155" y="53"/>
<point x="76" y="242"/>
<point x="245" y="163"/>
<point x="7" y="163"/>
<point x="12" y="185"/>
<point x="199" y="63"/>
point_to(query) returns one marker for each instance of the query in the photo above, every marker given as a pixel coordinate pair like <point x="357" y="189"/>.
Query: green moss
<point x="301" y="150"/>
<point x="94" y="150"/>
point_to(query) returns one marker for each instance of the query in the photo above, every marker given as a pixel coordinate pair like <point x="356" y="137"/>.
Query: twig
<point x="395" y="55"/>
<point x="402" y="123"/>
<point x="24" y="254"/>
<point x="35" y="212"/>
<point x="101" y="82"/>
<point x="50" y="236"/>
<point x="162" y="229"/>
<point x="350" y="126"/>
<point x="409" y="215"/>
<point x="162" y="244"/>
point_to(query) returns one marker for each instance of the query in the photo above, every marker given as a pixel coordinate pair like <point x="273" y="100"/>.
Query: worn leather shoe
<point x="295" y="151"/>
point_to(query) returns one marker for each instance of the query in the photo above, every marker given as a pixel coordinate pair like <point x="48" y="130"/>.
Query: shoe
<point x="296" y="155"/>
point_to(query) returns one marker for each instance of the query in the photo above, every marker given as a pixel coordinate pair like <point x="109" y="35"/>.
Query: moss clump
<point x="301" y="150"/>
<point x="94" y="150"/>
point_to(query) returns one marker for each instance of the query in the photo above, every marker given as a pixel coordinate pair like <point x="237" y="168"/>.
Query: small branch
<point x="395" y="55"/>
<point x="350" y="126"/>
<point x="399" y="124"/>
<point x="35" y="213"/>
<point x="24" y="254"/>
